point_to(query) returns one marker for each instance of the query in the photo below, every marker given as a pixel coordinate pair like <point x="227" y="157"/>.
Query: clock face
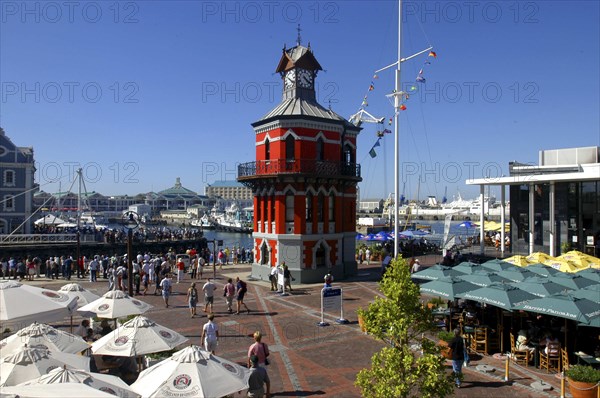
<point x="305" y="78"/>
<point x="290" y="78"/>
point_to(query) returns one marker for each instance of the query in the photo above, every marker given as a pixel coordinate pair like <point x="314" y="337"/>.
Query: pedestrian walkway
<point x="306" y="359"/>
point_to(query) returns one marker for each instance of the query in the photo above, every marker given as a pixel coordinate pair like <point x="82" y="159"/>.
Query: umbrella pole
<point x="71" y="323"/>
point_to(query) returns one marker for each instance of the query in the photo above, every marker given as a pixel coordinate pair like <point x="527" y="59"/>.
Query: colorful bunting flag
<point x="372" y="153"/>
<point x="375" y="77"/>
<point x="432" y="54"/>
<point x="420" y="79"/>
<point x="402" y="107"/>
<point x="371" y="87"/>
<point x="377" y="143"/>
<point x="390" y="121"/>
<point x="386" y="131"/>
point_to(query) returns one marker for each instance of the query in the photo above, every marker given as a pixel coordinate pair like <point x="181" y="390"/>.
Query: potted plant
<point x="435" y="302"/>
<point x="444" y="340"/>
<point x="582" y="379"/>
<point x="361" y="320"/>
<point x="565" y="247"/>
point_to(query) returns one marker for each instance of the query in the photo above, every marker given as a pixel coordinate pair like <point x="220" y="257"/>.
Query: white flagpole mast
<point x="397" y="94"/>
<point x="397" y="131"/>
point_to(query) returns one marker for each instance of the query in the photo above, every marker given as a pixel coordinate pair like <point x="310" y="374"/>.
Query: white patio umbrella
<point x="115" y="304"/>
<point x="82" y="295"/>
<point x="136" y="337"/>
<point x="21" y="305"/>
<point x="49" y="220"/>
<point x="62" y="390"/>
<point x="105" y="383"/>
<point x="30" y="363"/>
<point x="192" y="371"/>
<point x="39" y="335"/>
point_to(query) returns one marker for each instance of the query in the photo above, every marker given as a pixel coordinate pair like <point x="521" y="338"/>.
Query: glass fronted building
<point x="554" y="206"/>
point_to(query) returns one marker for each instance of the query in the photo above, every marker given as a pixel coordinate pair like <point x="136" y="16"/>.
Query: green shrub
<point x="446" y="336"/>
<point x="583" y="373"/>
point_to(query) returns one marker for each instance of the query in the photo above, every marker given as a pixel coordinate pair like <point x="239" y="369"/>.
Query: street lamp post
<point x="130" y="221"/>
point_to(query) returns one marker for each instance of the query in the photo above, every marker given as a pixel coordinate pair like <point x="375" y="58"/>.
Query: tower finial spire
<point x="299" y="40"/>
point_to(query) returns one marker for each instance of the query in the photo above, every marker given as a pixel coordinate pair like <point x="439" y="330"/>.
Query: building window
<point x="259" y="208"/>
<point x="290" y="144"/>
<point x="289" y="207"/>
<point x="272" y="208"/>
<point x="9" y="203"/>
<point x="267" y="149"/>
<point x="331" y="207"/>
<point x="9" y="178"/>
<point x="348" y="154"/>
<point x="321" y="207"/>
<point x="320" y="149"/>
<point x="309" y="206"/>
<point x="264" y="254"/>
<point x="320" y="256"/>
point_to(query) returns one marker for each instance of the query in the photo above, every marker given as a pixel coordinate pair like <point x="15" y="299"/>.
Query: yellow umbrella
<point x="518" y="260"/>
<point x="539" y="257"/>
<point x="562" y="265"/>
<point x="581" y="259"/>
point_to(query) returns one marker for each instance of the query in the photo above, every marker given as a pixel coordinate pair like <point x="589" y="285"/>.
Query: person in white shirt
<point x="209" y="294"/>
<point x="210" y="334"/>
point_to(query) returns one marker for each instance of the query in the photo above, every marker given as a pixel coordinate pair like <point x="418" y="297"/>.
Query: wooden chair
<point x="565" y="358"/>
<point x="518" y="356"/>
<point x="479" y="342"/>
<point x="552" y="358"/>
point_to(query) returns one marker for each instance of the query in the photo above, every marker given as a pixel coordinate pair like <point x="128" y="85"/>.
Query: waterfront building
<point x="370" y="205"/>
<point x="554" y="205"/>
<point x="229" y="190"/>
<point x="16" y="186"/>
<point x="304" y="180"/>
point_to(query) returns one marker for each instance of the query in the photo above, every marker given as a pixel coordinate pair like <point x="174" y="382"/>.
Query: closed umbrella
<point x="30" y="363"/>
<point x="39" y="335"/>
<point x="105" y="383"/>
<point x="192" y="372"/>
<point x="115" y="304"/>
<point x="136" y="337"/>
<point x="21" y="305"/>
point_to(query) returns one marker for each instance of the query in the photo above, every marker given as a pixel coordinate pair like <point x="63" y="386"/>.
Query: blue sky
<point x="139" y="93"/>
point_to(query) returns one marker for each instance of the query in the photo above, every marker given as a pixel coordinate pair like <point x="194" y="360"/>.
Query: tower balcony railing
<point x="318" y="168"/>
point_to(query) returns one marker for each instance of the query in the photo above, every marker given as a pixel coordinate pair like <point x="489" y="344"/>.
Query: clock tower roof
<point x="297" y="57"/>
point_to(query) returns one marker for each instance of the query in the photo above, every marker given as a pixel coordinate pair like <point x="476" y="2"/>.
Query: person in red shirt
<point x="180" y="269"/>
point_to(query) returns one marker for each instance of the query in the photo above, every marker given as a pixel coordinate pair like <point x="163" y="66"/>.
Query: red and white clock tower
<point x="304" y="180"/>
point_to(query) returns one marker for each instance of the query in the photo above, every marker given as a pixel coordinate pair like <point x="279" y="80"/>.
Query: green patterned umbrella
<point x="499" y="295"/>
<point x="447" y="287"/>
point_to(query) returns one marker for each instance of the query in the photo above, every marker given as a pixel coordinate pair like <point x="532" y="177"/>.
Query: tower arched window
<point x="331" y="207"/>
<point x="290" y="144"/>
<point x="309" y="206"/>
<point x="267" y="149"/>
<point x="320" y="149"/>
<point x="289" y="207"/>
<point x="321" y="207"/>
<point x="348" y="154"/>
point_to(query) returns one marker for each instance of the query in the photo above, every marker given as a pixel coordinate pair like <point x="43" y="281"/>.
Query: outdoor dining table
<point x="588" y="359"/>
